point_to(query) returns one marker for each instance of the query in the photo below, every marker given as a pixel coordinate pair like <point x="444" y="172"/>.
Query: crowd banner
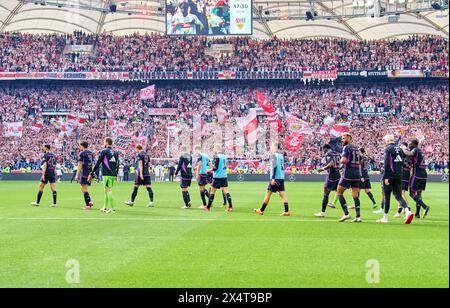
<point x="374" y="111"/>
<point x="162" y="111"/>
<point x="223" y="75"/>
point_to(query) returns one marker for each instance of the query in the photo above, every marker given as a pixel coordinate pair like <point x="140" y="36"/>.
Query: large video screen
<point x="209" y="17"/>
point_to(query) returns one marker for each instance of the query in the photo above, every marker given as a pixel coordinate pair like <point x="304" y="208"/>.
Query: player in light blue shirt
<point x="276" y="185"/>
<point x="220" y="178"/>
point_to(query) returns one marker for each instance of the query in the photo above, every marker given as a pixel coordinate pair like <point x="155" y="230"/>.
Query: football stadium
<point x="210" y="145"/>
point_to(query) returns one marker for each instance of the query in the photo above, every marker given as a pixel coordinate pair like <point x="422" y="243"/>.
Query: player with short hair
<point x="48" y="175"/>
<point x="351" y="178"/>
<point x="419" y="176"/>
<point x="185" y="170"/>
<point x="220" y="178"/>
<point x="142" y="176"/>
<point x="109" y="160"/>
<point x="203" y="178"/>
<point x="84" y="169"/>
<point x="332" y="164"/>
<point x="276" y="185"/>
<point x="392" y="179"/>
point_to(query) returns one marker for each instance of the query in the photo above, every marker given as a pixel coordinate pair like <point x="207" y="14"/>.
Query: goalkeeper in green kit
<point x="109" y="160"/>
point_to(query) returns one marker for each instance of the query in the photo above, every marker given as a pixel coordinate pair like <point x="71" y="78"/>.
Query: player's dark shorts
<point x="395" y="186"/>
<point x="417" y="184"/>
<point x="84" y="181"/>
<point x="331" y="185"/>
<point x="147" y="181"/>
<point x="405" y="185"/>
<point x="220" y="183"/>
<point x="185" y="183"/>
<point x="349" y="183"/>
<point x="406" y="180"/>
<point x="204" y="179"/>
<point x="278" y="187"/>
<point x="366" y="184"/>
<point x="49" y="179"/>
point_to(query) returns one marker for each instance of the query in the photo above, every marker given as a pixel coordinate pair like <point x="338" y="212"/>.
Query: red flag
<point x="294" y="142"/>
<point x="298" y="126"/>
<point x="76" y="120"/>
<point x="221" y="115"/>
<point x="269" y="109"/>
<point x="37" y="126"/>
<point x="249" y="125"/>
<point x="339" y="129"/>
<point x="148" y="93"/>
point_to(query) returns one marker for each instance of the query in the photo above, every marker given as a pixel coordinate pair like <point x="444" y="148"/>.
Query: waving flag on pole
<point x="148" y="93"/>
<point x="298" y="126"/>
<point x="76" y="120"/>
<point x="339" y="129"/>
<point x="269" y="109"/>
<point x="37" y="126"/>
<point x="249" y="125"/>
<point x="221" y="115"/>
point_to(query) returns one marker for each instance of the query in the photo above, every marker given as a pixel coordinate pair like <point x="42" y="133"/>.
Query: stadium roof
<point x="352" y="19"/>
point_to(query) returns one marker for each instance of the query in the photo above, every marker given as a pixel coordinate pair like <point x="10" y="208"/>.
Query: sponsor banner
<point x="438" y="74"/>
<point x="364" y="74"/>
<point x="162" y="111"/>
<point x="406" y="74"/>
<point x="374" y="111"/>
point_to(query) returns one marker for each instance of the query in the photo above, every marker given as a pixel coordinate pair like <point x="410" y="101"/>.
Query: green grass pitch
<point x="170" y="247"/>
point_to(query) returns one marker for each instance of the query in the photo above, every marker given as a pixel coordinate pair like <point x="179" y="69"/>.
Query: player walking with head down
<point x="185" y="170"/>
<point x="203" y="164"/>
<point x="392" y="179"/>
<point x="109" y="160"/>
<point x="84" y="169"/>
<point x="48" y="175"/>
<point x="220" y="178"/>
<point x="142" y="176"/>
<point x="276" y="185"/>
<point x="332" y="165"/>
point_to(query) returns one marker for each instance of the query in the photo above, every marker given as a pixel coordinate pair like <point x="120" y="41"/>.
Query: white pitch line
<point x="394" y="222"/>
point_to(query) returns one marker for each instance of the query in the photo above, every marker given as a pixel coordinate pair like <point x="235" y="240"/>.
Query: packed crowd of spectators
<point x="415" y="110"/>
<point x="153" y="52"/>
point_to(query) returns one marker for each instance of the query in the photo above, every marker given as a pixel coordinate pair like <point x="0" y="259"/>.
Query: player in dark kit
<point x="142" y="176"/>
<point x="392" y="179"/>
<point x="419" y="176"/>
<point x="351" y="178"/>
<point x="366" y="185"/>
<point x="109" y="160"/>
<point x="84" y="169"/>
<point x="185" y="170"/>
<point x="220" y="178"/>
<point x="276" y="185"/>
<point x="407" y="163"/>
<point x="48" y="175"/>
<point x="332" y="165"/>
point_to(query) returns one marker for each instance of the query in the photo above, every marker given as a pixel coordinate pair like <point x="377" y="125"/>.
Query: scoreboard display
<point x="209" y="17"/>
